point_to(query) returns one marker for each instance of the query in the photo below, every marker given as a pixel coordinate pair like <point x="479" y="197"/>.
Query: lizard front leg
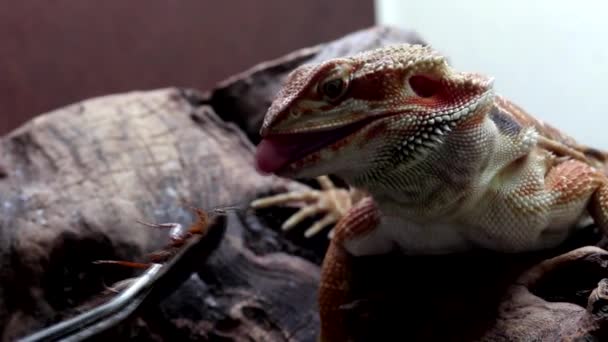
<point x="598" y="208"/>
<point x="335" y="289"/>
<point x="574" y="180"/>
<point x="331" y="201"/>
<point x="578" y="186"/>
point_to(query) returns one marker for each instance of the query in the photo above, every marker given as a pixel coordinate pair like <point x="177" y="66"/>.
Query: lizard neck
<point x="441" y="181"/>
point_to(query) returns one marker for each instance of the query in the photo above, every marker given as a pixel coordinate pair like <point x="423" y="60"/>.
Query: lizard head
<point x="375" y="109"/>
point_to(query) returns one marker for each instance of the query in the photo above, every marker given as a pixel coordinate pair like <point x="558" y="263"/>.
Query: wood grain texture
<point x="78" y="178"/>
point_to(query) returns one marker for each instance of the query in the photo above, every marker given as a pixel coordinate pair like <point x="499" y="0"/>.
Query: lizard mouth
<point x="275" y="152"/>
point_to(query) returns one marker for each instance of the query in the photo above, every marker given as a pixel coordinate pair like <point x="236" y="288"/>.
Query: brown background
<point x="56" y="53"/>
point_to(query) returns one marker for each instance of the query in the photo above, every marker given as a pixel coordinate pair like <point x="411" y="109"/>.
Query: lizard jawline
<point x="275" y="153"/>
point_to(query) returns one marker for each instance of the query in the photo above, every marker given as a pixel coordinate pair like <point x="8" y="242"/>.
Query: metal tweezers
<point x="157" y="282"/>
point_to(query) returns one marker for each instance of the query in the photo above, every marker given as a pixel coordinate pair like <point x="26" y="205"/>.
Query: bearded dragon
<point x="437" y="163"/>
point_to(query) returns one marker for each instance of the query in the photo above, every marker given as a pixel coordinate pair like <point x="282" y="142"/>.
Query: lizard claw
<point x="333" y="201"/>
<point x="327" y="220"/>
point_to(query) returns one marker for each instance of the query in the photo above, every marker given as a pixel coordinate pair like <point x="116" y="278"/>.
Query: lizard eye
<point x="424" y="86"/>
<point x="333" y="89"/>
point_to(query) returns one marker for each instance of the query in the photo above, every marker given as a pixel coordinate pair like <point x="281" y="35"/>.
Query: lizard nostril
<point x="424" y="86"/>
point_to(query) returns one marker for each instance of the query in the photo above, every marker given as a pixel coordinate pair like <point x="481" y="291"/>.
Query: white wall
<point x="549" y="56"/>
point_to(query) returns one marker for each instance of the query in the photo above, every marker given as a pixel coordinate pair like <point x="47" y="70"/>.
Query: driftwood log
<point x="74" y="182"/>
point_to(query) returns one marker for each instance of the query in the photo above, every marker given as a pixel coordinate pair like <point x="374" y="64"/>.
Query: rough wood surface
<point x="78" y="179"/>
<point x="73" y="183"/>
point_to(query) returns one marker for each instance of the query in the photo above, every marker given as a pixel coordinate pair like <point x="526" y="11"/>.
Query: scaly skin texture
<point x="445" y="164"/>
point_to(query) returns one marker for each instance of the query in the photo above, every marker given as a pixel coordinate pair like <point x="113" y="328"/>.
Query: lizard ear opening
<point x="424" y="86"/>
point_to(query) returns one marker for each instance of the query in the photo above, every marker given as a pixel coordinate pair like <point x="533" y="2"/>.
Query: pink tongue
<point x="274" y="153"/>
<point x="278" y="151"/>
<point x="271" y="155"/>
